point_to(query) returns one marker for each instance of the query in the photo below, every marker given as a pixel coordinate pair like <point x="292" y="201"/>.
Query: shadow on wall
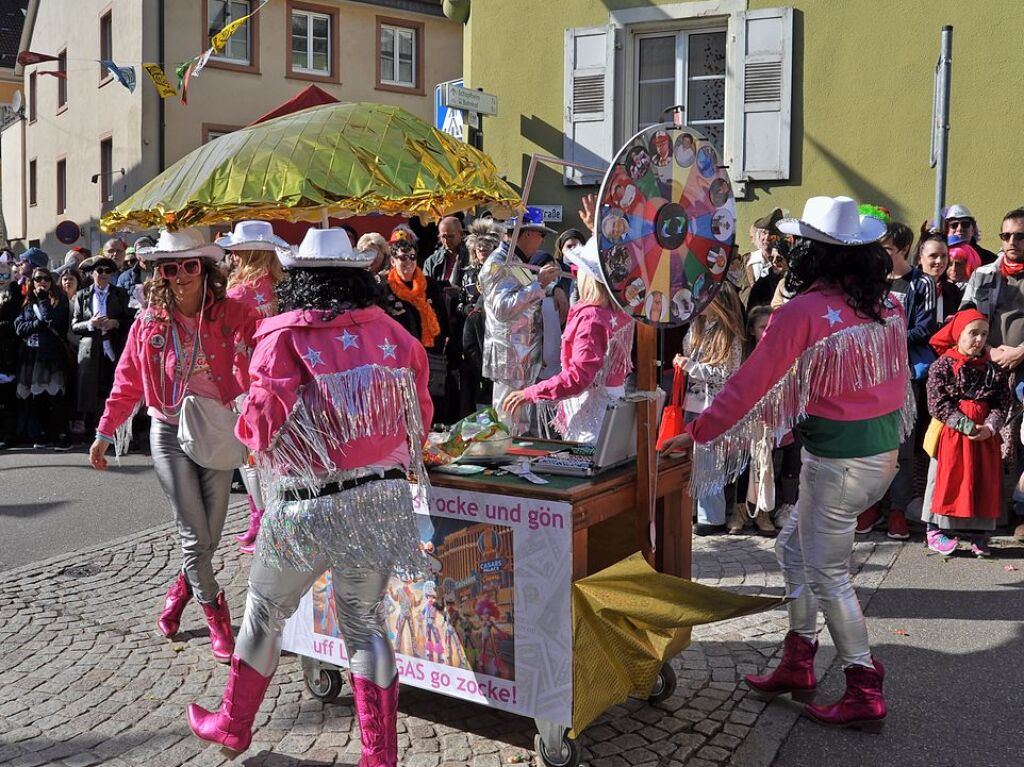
<point x="861" y="188"/>
<point x="550" y="140"/>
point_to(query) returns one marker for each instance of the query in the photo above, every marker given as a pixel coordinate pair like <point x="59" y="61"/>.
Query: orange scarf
<point x="417" y="296"/>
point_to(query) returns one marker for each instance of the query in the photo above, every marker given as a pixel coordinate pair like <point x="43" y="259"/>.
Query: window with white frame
<point x="733" y="75"/>
<point x="220" y="13"/>
<point x="311" y="43"/>
<point x="397" y="56"/>
<point x="685" y="67"/>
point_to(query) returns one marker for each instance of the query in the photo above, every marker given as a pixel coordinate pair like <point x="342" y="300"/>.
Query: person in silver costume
<point x="512" y="297"/>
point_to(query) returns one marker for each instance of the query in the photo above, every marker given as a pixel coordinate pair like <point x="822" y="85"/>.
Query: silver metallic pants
<point x="199" y="498"/>
<point x="251" y="480"/>
<point x="814" y="546"/>
<point x="274" y="594"/>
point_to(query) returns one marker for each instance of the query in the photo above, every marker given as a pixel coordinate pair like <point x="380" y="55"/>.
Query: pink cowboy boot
<point x="174" y="605"/>
<point x="218" y="618"/>
<point x="794" y="675"/>
<point x="862" y="705"/>
<point x="248" y="538"/>
<point x="377" y="709"/>
<point x="231" y="724"/>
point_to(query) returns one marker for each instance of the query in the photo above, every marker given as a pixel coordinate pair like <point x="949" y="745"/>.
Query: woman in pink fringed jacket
<point x="253" y="282"/>
<point x="190" y="340"/>
<point x="832" y="365"/>
<point x="596" y="348"/>
<point x="335" y="420"/>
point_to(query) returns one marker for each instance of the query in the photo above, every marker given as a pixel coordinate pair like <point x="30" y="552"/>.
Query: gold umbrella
<point x="336" y="159"/>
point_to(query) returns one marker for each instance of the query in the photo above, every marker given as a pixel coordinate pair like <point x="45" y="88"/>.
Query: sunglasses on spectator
<point x="404" y="256"/>
<point x="1015" y="236"/>
<point x="41" y="278"/>
<point x="959" y="223"/>
<point x="191" y="267"/>
<point x="103" y="270"/>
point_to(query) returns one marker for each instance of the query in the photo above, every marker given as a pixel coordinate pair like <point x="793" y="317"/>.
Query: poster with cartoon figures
<point x="666" y="225"/>
<point x="492" y="624"/>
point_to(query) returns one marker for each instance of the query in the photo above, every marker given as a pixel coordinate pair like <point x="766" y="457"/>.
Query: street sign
<point x="551" y="213"/>
<point x="448" y="120"/>
<point x="470" y="100"/>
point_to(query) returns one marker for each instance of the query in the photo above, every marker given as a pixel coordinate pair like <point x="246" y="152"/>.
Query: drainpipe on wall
<point x="161" y="144"/>
<point x="456" y="10"/>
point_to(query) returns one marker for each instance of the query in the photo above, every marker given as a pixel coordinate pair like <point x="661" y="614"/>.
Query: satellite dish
<point x="17" y="101"/>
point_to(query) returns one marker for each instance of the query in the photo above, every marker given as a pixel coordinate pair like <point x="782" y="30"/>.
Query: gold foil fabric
<point x="342" y="159"/>
<point x="628" y="620"/>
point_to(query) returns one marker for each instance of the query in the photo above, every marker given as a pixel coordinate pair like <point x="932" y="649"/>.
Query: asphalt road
<point x="52" y="503"/>
<point x="951" y="636"/>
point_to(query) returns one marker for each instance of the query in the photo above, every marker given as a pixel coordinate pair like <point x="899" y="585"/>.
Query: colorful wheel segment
<point x="666" y="225"/>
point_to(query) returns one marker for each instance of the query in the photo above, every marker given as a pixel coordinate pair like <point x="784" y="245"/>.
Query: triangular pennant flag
<point x="219" y="40"/>
<point x="61" y="73"/>
<point x="27" y="58"/>
<point x="156" y="74"/>
<point x="124" y="75"/>
<point x="184" y="72"/>
<point x="205" y="57"/>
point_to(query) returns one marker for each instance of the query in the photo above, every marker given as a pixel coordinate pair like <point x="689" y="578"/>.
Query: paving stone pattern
<point x="87" y="680"/>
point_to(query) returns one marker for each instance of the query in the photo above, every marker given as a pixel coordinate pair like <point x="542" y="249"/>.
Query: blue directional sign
<point x="445" y="118"/>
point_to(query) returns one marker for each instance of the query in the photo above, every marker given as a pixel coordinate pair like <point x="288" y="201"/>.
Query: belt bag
<point x="206" y="432"/>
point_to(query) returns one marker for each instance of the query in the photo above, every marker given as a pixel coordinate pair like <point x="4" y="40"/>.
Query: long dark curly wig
<point x="331" y="290"/>
<point x="861" y="271"/>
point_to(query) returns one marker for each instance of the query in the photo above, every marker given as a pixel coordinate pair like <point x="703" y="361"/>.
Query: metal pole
<point x="943" y="74"/>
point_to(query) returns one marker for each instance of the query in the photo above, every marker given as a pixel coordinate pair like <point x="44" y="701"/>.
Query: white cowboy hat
<point x="252" y="235"/>
<point x="586" y="257"/>
<point x="834" y="220"/>
<point x="325" y="247"/>
<point x="183" y="243"/>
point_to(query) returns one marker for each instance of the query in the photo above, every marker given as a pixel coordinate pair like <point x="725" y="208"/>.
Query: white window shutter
<point x="763" y="95"/>
<point x="589" y="102"/>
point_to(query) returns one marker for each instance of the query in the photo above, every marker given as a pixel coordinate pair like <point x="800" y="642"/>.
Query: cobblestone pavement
<point x="86" y="680"/>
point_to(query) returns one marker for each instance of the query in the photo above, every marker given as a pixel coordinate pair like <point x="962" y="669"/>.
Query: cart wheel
<point x="569" y="756"/>
<point x="324" y="684"/>
<point x="664" y="685"/>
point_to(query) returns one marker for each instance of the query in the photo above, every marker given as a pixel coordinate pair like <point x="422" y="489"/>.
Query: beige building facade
<point x="85" y="143"/>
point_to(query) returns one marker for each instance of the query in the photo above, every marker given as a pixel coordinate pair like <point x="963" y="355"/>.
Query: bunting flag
<point x="27" y="58"/>
<point x="184" y="73"/>
<point x="201" y="62"/>
<point x="219" y="40"/>
<point x="160" y="81"/>
<point x="124" y="75"/>
<point x="62" y="74"/>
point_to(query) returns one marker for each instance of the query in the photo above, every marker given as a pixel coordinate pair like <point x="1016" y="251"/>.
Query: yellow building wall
<point x="862" y="95"/>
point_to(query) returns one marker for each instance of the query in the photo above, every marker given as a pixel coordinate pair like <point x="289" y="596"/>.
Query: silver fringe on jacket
<point x="334" y="409"/>
<point x="853" y="358"/>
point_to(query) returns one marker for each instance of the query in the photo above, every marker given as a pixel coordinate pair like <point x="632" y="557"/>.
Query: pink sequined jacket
<point x="588" y="334"/>
<point x="259" y="295"/>
<point x="334" y="395"/>
<point x="817" y="357"/>
<point x="226" y="337"/>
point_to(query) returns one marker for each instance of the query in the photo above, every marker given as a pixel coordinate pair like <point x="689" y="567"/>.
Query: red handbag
<point x="672" y="423"/>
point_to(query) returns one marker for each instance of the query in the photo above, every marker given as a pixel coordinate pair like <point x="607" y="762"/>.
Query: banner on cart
<point x="493" y="625"/>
